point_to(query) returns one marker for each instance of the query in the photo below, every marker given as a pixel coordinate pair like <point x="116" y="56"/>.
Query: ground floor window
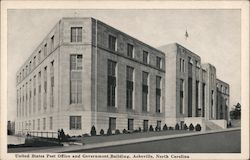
<point x="112" y="123"/>
<point x="50" y="123"/>
<point x="130" y="124"/>
<point x="158" y="124"/>
<point x="75" y="122"/>
<point x="145" y="125"/>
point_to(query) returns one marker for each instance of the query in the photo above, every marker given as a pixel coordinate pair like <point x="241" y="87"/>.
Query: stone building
<point x="87" y="73"/>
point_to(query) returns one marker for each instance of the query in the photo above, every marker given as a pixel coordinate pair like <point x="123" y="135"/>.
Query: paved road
<point x="226" y="142"/>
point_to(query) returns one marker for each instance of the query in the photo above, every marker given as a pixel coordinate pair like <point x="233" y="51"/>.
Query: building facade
<point x="87" y="73"/>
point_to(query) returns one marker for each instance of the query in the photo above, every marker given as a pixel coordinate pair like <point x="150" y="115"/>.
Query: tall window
<point x="30" y="66"/>
<point x="158" y="94"/>
<point x="112" y="43"/>
<point x="52" y="39"/>
<point x="38" y="124"/>
<point x="34" y="124"/>
<point x="76" y="34"/>
<point x="130" y="50"/>
<point x="111" y="83"/>
<point x="45" y="88"/>
<point x="44" y="123"/>
<point x="45" y="50"/>
<point x="145" y="57"/>
<point x="52" y="84"/>
<point x="50" y="123"/>
<point x="75" y="79"/>
<point x="197" y="99"/>
<point x="39" y="56"/>
<point x="39" y="90"/>
<point x="158" y="62"/>
<point x="130" y="124"/>
<point x="34" y="62"/>
<point x="30" y="96"/>
<point x="130" y="85"/>
<point x="144" y="91"/>
<point x="75" y="122"/>
<point x="203" y="99"/>
<point x="112" y="123"/>
<point x="34" y="94"/>
<point x="26" y="99"/>
<point x="212" y="104"/>
<point x="181" y="96"/>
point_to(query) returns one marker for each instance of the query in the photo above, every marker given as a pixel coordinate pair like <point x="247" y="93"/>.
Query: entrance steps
<point x="212" y="126"/>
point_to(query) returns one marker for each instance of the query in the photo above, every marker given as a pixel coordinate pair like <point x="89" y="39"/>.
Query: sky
<point x="214" y="35"/>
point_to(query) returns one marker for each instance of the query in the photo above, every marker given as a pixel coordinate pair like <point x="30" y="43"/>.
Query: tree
<point x="236" y="111"/>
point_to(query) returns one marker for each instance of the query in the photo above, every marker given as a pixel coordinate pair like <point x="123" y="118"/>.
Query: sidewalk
<point x="122" y="142"/>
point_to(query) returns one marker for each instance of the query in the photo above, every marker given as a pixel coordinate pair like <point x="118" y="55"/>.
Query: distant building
<point x="87" y="73"/>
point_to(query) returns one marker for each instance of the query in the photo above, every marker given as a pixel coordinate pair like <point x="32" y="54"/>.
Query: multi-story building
<point x="87" y="73"/>
<point x="191" y="94"/>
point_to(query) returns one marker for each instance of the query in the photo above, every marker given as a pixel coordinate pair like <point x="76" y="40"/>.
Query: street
<point x="224" y="142"/>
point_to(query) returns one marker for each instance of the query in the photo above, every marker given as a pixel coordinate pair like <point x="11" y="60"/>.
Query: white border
<point x="243" y="5"/>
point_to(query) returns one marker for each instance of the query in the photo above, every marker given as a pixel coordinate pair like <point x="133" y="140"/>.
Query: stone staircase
<point x="212" y="126"/>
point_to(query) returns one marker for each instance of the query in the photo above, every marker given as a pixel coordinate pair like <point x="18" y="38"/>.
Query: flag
<point x="186" y="35"/>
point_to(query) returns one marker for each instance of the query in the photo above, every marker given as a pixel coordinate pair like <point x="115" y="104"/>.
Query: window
<point x="183" y="65"/>
<point x="158" y="124"/>
<point x="181" y="96"/>
<point x="76" y="34"/>
<point x="112" y="43"/>
<point x="129" y="90"/>
<point x="44" y="123"/>
<point x="144" y="91"/>
<point x="111" y="83"/>
<point x="145" y="125"/>
<point x="130" y="124"/>
<point x="212" y="104"/>
<point x="203" y="98"/>
<point x="52" y="84"/>
<point x="34" y="62"/>
<point x="75" y="122"/>
<point x="38" y="124"/>
<point x="112" y="123"/>
<point x="45" y="88"/>
<point x="30" y="95"/>
<point x="34" y="125"/>
<point x="75" y="79"/>
<point x="52" y="43"/>
<point x="34" y="93"/>
<point x="50" y="123"/>
<point x="45" y="50"/>
<point x="197" y="98"/>
<point x="39" y="56"/>
<point x="30" y="66"/>
<point x="158" y="94"/>
<point x="158" y="62"/>
<point x="130" y="50"/>
<point x="145" y="57"/>
<point x="39" y="90"/>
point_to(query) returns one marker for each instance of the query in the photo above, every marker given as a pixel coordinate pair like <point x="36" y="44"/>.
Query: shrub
<point x="171" y="128"/>
<point x="165" y="127"/>
<point x="124" y="131"/>
<point x="109" y="132"/>
<point x="191" y="127"/>
<point x="151" y="128"/>
<point x="198" y="127"/>
<point x="177" y="127"/>
<point x="229" y="125"/>
<point x="117" y="131"/>
<point x="185" y="127"/>
<point x="93" y="131"/>
<point x="102" y="132"/>
<point x="156" y="128"/>
<point x="85" y="135"/>
<point x="139" y="130"/>
<point x="79" y="136"/>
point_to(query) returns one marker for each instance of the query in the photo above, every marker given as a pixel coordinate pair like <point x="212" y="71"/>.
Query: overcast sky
<point x="213" y="34"/>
